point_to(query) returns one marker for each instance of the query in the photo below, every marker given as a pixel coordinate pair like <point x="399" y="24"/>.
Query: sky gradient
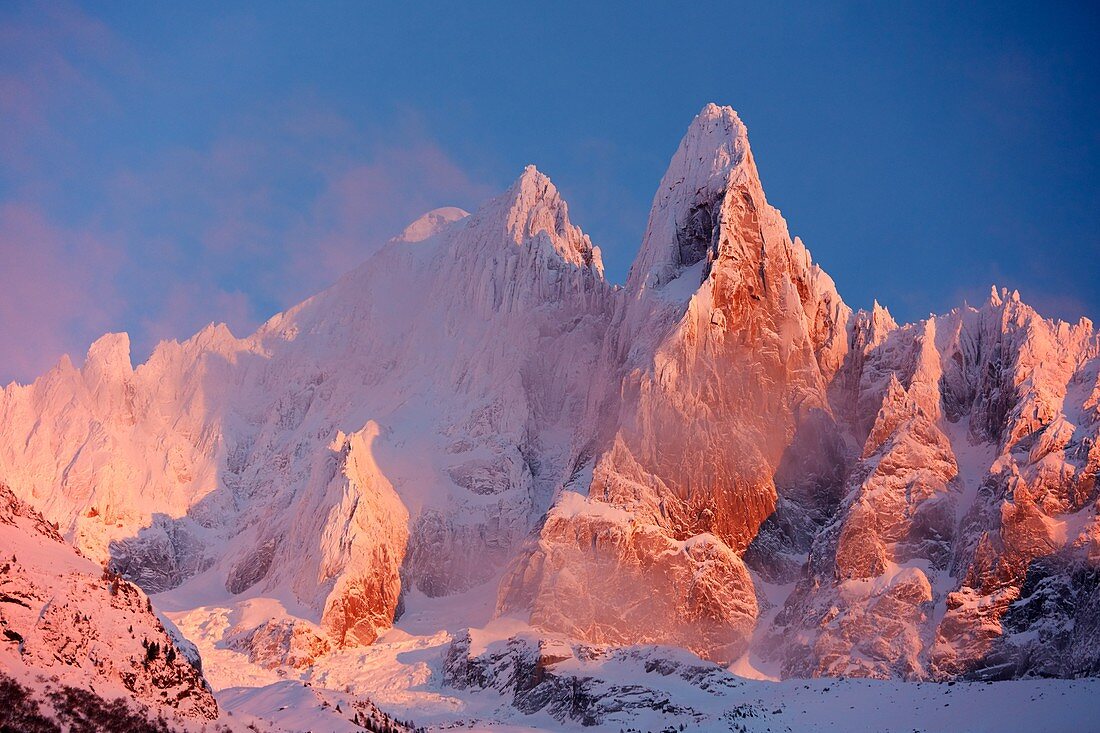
<point x="162" y="166"/>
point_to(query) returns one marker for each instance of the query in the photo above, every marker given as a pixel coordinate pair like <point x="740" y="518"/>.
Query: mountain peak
<point x="109" y="354"/>
<point x="723" y="115"/>
<point x="534" y="190"/>
<point x="713" y="156"/>
<point x="532" y="176"/>
<point x="715" y="144"/>
<point x="997" y="299"/>
<point x="881" y="317"/>
<point x="532" y="209"/>
<point x="994" y="296"/>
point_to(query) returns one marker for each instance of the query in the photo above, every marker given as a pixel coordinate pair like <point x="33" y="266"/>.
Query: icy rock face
<point x="724" y="347"/>
<point x="1036" y="402"/>
<point x="712" y="406"/>
<point x="705" y="602"/>
<point x="964" y="545"/>
<point x="92" y="435"/>
<point x="895" y="527"/>
<point x="275" y="644"/>
<point x="64" y="621"/>
<point x="362" y="542"/>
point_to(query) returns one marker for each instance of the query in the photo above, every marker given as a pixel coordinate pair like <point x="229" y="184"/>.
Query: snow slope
<point x="503" y="675"/>
<point x="67" y="624"/>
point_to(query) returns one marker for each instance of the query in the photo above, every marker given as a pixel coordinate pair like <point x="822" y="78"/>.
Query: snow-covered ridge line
<point x="476" y="407"/>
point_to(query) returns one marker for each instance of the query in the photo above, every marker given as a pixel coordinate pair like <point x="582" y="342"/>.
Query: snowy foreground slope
<point x="448" y="665"/>
<point x="78" y="639"/>
<point x="472" y="475"/>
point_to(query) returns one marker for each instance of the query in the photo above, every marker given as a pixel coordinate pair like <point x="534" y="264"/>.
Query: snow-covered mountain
<point x="414" y="420"/>
<point x="719" y="455"/>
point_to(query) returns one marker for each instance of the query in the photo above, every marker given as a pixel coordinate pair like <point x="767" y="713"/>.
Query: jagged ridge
<point x="476" y="399"/>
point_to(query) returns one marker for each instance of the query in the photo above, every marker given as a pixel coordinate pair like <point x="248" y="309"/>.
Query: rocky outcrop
<point x="573" y="683"/>
<point x="67" y="625"/>
<point x="705" y="602"/>
<point x="942" y="544"/>
<point x="280" y="643"/>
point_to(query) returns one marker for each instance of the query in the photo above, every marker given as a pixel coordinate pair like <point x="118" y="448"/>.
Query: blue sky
<point x="163" y="166"/>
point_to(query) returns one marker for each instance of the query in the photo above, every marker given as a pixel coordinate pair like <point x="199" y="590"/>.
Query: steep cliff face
<point x="1026" y="565"/>
<point x="910" y="481"/>
<point x="721" y="353"/>
<point x="712" y="403"/>
<point x="719" y="455"/>
<point x="66" y="625"/>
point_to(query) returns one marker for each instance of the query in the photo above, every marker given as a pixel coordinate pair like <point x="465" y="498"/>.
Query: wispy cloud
<point x="274" y="204"/>
<point x="268" y="214"/>
<point x="54" y="62"/>
<point x="364" y="203"/>
<point x="56" y="288"/>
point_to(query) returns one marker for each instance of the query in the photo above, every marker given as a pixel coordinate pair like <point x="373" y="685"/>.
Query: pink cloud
<point x="367" y="203"/>
<point x="277" y="205"/>
<point x="57" y="56"/>
<point x="56" y="291"/>
<point x="187" y="306"/>
<point x="272" y="212"/>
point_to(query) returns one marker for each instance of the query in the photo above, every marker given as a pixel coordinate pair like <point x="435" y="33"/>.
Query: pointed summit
<point x="535" y="205"/>
<point x="532" y="210"/>
<point x="715" y="146"/>
<point x="532" y="183"/>
<point x="881" y="319"/>
<point x="713" y="157"/>
<point x="994" y="297"/>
